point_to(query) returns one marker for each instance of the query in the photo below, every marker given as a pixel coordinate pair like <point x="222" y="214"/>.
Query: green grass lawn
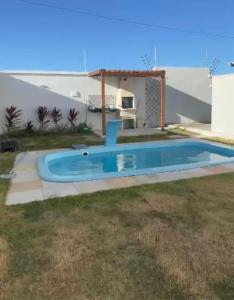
<point x="30" y="143"/>
<point x="163" y="241"/>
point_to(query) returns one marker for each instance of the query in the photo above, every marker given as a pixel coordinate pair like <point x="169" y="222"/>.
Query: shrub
<point x="73" y="116"/>
<point x="12" y="117"/>
<point x="56" y="116"/>
<point x="29" y="126"/>
<point x="84" y="128"/>
<point x="42" y="114"/>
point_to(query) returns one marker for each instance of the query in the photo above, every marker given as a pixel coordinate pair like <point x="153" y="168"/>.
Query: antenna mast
<point x="206" y="58"/>
<point x="155" y="57"/>
<point x="85" y="61"/>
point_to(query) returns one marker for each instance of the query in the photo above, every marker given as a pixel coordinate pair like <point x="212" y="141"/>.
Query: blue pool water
<point x="132" y="159"/>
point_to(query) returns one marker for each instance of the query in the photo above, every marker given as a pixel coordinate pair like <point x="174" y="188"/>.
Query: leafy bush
<point x="29" y="126"/>
<point x="12" y="117"/>
<point x="56" y="116"/>
<point x="73" y="116"/>
<point x="84" y="128"/>
<point x="42" y="116"/>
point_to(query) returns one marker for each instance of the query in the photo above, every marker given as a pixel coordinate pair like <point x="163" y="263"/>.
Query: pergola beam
<point x="128" y="73"/>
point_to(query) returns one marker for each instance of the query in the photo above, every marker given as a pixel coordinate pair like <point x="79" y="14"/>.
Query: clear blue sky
<point x="39" y="38"/>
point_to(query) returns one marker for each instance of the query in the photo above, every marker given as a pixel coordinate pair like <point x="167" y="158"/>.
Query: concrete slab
<point x="218" y="169"/>
<point x="57" y="189"/>
<point x="146" y="179"/>
<point x="121" y="182"/>
<point x="91" y="186"/>
<point x="230" y="166"/>
<point x="30" y="175"/>
<point x="24" y="197"/>
<point x="23" y="186"/>
<point x="183" y="174"/>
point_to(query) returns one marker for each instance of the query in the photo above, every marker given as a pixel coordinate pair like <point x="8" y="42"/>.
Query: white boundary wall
<point x="223" y="104"/>
<point x="188" y="94"/>
<point x="29" y="90"/>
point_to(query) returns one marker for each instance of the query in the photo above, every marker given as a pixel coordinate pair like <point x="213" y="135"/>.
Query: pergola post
<point x="103" y="96"/>
<point x="162" y="101"/>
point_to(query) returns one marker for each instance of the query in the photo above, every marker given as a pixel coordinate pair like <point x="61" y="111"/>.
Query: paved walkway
<point x="202" y="130"/>
<point x="27" y="186"/>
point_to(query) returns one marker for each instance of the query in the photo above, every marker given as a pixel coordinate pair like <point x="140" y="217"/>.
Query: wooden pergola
<point x="103" y="73"/>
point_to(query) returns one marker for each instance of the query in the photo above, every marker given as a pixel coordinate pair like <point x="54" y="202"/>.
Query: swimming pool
<point x="132" y="159"/>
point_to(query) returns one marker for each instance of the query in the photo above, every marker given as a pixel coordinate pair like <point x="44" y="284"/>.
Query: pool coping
<point x="27" y="186"/>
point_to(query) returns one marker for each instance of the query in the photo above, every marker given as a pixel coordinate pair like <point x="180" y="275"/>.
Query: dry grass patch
<point x="194" y="262"/>
<point x="161" y="202"/>
<point x="4" y="261"/>
<point x="154" y="202"/>
<point x="72" y="258"/>
<point x="72" y="252"/>
<point x="162" y="241"/>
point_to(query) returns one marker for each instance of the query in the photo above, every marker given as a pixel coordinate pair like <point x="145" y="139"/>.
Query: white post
<point x="85" y="61"/>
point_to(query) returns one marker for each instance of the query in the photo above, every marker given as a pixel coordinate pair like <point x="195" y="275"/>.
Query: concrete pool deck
<point x="27" y="186"/>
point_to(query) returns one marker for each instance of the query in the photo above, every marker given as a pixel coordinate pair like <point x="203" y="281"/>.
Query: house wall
<point x="223" y="104"/>
<point x="188" y="95"/>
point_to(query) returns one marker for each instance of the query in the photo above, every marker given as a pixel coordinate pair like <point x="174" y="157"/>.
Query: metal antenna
<point x="155" y="57"/>
<point x="206" y="58"/>
<point x="146" y="62"/>
<point x="85" y="61"/>
<point x="214" y="66"/>
<point x="149" y="62"/>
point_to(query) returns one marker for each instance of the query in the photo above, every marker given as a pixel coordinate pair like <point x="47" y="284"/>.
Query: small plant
<point x="29" y="126"/>
<point x="42" y="114"/>
<point x="56" y="116"/>
<point x="84" y="128"/>
<point x="73" y="116"/>
<point x="12" y="117"/>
